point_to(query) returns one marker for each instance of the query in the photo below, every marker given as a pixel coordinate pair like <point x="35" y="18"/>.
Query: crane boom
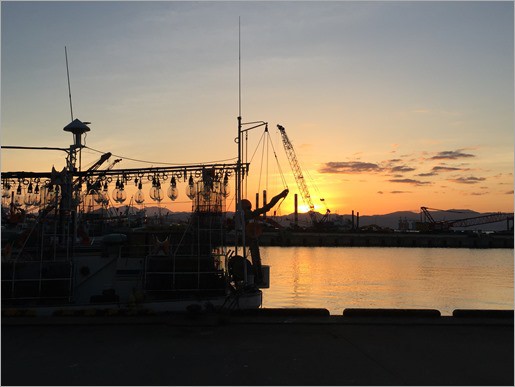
<point x="297" y="173"/>
<point x="483" y="219"/>
<point x="431" y="224"/>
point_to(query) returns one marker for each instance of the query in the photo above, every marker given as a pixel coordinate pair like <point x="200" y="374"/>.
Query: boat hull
<point x="249" y="300"/>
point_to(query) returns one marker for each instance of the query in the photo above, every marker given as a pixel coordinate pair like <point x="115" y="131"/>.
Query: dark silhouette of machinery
<point x="428" y="223"/>
<point x="316" y="220"/>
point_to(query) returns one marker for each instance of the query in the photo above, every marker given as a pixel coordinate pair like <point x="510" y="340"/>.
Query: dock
<point x="392" y="239"/>
<point x="264" y="347"/>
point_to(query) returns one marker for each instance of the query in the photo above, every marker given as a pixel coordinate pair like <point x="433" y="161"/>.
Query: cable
<point x="262" y="158"/>
<point x="261" y="167"/>
<point x="257" y="146"/>
<point x="159" y="162"/>
<point x="278" y="165"/>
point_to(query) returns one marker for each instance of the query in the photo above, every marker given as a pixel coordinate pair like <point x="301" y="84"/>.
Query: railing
<point x="37" y="280"/>
<point x="181" y="273"/>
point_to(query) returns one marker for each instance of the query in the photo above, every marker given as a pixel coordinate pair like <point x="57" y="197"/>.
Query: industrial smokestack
<point x="296" y="216"/>
<point x="264" y="202"/>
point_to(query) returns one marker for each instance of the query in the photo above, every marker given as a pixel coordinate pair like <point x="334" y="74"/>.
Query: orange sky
<point x="390" y="106"/>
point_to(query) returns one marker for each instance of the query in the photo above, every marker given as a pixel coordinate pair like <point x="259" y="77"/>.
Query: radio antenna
<point x="69" y="88"/>
<point x="239" y="66"/>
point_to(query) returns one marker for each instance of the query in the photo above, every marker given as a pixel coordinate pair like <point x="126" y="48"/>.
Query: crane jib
<point x="299" y="177"/>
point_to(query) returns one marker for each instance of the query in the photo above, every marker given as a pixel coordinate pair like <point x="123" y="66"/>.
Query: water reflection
<point x="338" y="278"/>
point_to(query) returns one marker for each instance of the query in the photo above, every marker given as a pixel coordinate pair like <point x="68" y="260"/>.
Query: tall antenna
<point x="239" y="66"/>
<point x="69" y="88"/>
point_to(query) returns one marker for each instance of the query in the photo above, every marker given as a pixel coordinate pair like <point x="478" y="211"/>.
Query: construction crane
<point x="429" y="224"/>
<point x="427" y="218"/>
<point x="299" y="178"/>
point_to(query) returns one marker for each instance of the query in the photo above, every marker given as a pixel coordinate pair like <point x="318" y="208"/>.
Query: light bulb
<point x="77" y="195"/>
<point x="173" y="192"/>
<point x="116" y="190"/>
<point x="43" y="194"/>
<point x="57" y="192"/>
<point x="6" y="188"/>
<point x="121" y="196"/>
<point x="36" y="196"/>
<point x="204" y="190"/>
<point x="91" y="194"/>
<point x="50" y="194"/>
<point x="226" y="190"/>
<point x="98" y="196"/>
<point x="140" y="196"/>
<point x="190" y="189"/>
<point x="156" y="193"/>
<point x="105" y="194"/>
<point x="28" y="199"/>
<point x="84" y="197"/>
<point x="18" y="197"/>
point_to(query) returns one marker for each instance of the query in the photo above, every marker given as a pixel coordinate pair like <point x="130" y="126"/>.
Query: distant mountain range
<point x="409" y="218"/>
<point x="389" y="221"/>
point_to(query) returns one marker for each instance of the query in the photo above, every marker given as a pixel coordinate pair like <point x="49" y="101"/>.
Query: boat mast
<point x="239" y="216"/>
<point x="242" y="167"/>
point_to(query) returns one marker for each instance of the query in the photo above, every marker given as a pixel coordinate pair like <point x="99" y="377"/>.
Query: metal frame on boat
<point x="65" y="256"/>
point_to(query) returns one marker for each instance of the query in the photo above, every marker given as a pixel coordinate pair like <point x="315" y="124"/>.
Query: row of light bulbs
<point x="36" y="196"/>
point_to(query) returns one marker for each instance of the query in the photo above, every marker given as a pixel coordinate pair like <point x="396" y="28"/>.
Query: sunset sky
<point x="390" y="106"/>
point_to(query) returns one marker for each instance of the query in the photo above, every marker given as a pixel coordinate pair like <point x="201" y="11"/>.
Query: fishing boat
<point x="61" y="255"/>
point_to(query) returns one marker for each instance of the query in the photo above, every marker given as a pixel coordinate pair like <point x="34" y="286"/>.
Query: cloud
<point x="440" y="168"/>
<point x="478" y="193"/>
<point x="396" y="166"/>
<point x="402" y="169"/>
<point x="350" y="167"/>
<point x="451" y="155"/>
<point x="399" y="192"/>
<point x="409" y="181"/>
<point x="380" y="192"/>
<point x="509" y="192"/>
<point x="358" y="167"/>
<point x="468" y="180"/>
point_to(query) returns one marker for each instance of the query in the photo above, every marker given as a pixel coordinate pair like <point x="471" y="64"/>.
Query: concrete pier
<point x="274" y="347"/>
<point x="381" y="239"/>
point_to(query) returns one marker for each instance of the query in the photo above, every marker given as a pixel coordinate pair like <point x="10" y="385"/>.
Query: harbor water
<point x="336" y="278"/>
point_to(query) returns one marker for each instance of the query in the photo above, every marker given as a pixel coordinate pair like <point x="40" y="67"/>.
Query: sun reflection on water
<point x="354" y="277"/>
